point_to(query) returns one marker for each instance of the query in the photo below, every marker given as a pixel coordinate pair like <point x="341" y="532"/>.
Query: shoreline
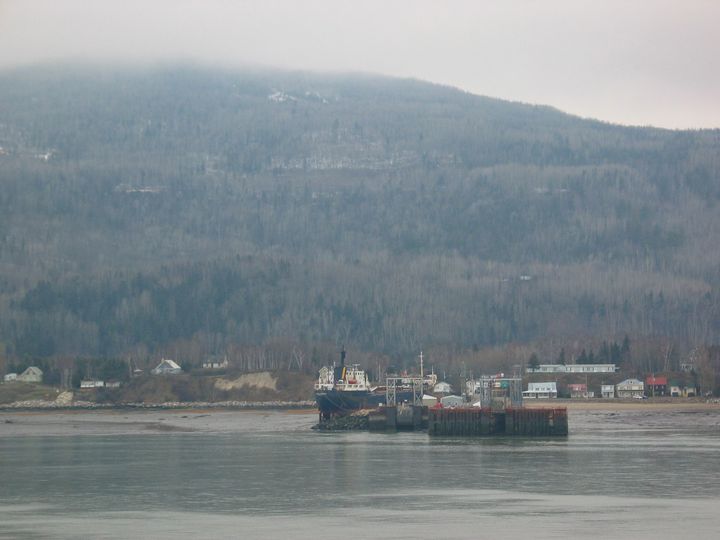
<point x="626" y="405"/>
<point x="51" y="406"/>
<point x="311" y="407"/>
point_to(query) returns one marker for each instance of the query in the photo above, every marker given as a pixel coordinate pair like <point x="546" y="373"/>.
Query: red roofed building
<point x="580" y="391"/>
<point x="656" y="386"/>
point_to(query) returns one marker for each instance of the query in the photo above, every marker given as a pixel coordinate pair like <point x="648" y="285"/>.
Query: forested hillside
<point x="144" y="209"/>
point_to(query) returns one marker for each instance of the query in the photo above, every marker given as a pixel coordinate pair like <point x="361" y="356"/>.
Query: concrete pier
<point x="475" y="422"/>
<point x="400" y="418"/>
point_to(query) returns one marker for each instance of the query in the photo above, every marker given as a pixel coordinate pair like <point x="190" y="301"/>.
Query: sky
<point x="635" y="62"/>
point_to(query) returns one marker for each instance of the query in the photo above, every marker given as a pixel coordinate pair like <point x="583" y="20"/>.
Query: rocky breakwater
<point x="356" y="421"/>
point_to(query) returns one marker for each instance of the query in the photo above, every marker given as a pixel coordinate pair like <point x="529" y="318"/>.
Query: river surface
<point x="628" y="474"/>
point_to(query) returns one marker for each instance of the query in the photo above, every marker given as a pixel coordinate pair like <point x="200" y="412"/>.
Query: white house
<point x="166" y="367"/>
<point x="541" y="390"/>
<point x="32" y="374"/>
<point x="112" y="384"/>
<point x="630" y="388"/>
<point x="573" y="368"/>
<point x="92" y="383"/>
<point x="10" y="377"/>
<point x="607" y="391"/>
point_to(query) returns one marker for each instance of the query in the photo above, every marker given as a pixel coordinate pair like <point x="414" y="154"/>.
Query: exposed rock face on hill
<point x="262" y="380"/>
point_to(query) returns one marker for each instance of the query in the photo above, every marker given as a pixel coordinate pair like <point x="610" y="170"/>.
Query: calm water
<point x="267" y="475"/>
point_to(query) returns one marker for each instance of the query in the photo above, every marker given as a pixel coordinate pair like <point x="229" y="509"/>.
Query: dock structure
<point x="403" y="417"/>
<point x="476" y="422"/>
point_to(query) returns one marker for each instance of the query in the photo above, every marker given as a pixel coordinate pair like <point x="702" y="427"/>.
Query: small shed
<point x="32" y="375"/>
<point x="452" y="401"/>
<point x="10" y="377"/>
<point x="166" y="367"/>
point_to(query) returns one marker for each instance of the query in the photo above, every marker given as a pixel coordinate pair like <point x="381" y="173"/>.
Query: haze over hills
<point x="145" y="209"/>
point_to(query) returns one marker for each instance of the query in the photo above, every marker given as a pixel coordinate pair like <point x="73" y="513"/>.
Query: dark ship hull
<point x="337" y="402"/>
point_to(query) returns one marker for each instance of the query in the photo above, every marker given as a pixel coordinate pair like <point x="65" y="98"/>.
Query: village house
<point x="541" y="390"/>
<point x="656" y="386"/>
<point x="112" y="384"/>
<point x="10" y="377"/>
<point x="166" y="367"/>
<point x="607" y="391"/>
<point x="682" y="390"/>
<point x="31" y="375"/>
<point x="630" y="388"/>
<point x="580" y="391"/>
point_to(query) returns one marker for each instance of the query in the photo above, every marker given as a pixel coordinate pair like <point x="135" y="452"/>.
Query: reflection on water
<point x="629" y="474"/>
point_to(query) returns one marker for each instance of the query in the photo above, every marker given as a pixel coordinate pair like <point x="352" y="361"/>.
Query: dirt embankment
<point x="263" y="380"/>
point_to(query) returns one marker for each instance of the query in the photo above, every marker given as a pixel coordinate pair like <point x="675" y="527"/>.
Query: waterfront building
<point x="630" y="388"/>
<point x="656" y="386"/>
<point x="679" y="389"/>
<point x="580" y="391"/>
<point x="607" y="391"/>
<point x="541" y="390"/>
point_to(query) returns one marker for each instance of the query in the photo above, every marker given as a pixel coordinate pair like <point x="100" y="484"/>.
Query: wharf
<point x="476" y="422"/>
<point x="456" y="422"/>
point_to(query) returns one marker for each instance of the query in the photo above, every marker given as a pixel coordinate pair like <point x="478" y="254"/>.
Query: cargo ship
<point x="343" y="389"/>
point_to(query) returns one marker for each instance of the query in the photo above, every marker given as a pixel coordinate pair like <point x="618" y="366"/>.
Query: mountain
<point x="182" y="206"/>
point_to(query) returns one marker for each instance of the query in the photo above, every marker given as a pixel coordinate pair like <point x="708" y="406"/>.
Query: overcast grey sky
<point x="653" y="62"/>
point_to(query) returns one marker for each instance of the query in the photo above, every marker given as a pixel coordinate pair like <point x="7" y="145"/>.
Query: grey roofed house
<point x="166" y="367"/>
<point x="31" y="374"/>
<point x="540" y="390"/>
<point x="630" y="388"/>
